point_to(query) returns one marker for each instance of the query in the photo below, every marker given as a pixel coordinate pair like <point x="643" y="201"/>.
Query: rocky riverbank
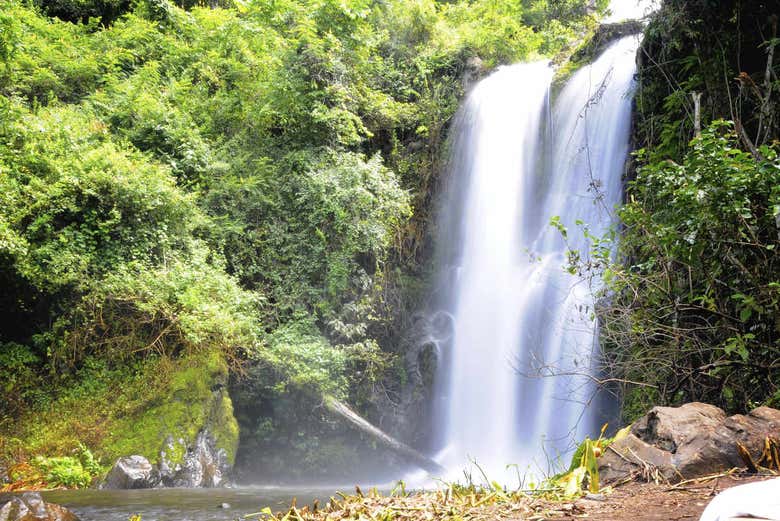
<point x="677" y="443"/>
<point x="667" y="465"/>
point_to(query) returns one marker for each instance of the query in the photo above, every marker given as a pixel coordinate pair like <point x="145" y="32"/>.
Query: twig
<point x="767" y="80"/>
<point x="702" y="479"/>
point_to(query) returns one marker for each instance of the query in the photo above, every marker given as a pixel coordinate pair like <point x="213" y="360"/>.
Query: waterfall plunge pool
<point x="182" y="504"/>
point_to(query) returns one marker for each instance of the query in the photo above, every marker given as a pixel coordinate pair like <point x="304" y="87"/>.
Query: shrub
<point x="82" y="10"/>
<point x="63" y="471"/>
<point x="183" y="308"/>
<point x="693" y="312"/>
<point x="17" y="376"/>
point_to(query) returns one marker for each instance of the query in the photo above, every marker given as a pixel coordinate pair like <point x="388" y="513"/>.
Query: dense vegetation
<point x="188" y="191"/>
<point x="692" y="306"/>
<point x="195" y="197"/>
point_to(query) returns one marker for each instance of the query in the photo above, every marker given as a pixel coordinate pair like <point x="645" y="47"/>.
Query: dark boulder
<point x="630" y="457"/>
<point x="696" y="439"/>
<point x="717" y="450"/>
<point x="132" y="472"/>
<point x="30" y="506"/>
<point x="669" y="428"/>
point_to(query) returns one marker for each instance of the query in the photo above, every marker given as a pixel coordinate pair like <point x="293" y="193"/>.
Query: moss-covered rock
<point x="157" y="409"/>
<point x="196" y="399"/>
<point x="591" y="47"/>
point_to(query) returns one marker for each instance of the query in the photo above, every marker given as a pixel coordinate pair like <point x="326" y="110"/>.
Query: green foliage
<point x="88" y="461"/>
<point x="63" y="471"/>
<point x="693" y="315"/>
<point x="584" y="468"/>
<point x="17" y="375"/>
<point x="184" y="182"/>
<point x="44" y="59"/>
<point x="718" y="49"/>
<point x="83" y="10"/>
<point x="301" y="343"/>
<point x="153" y="122"/>
<point x="181" y="308"/>
<point x="76" y="197"/>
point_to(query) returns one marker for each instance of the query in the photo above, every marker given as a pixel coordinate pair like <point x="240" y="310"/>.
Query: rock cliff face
<point x="203" y="465"/>
<point x="696" y="439"/>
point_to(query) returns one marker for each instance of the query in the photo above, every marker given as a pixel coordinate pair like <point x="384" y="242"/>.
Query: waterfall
<point x="630" y="9"/>
<point x="516" y="335"/>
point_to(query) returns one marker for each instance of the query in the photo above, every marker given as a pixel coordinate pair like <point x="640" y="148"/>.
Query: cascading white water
<point x="515" y="312"/>
<point x="500" y="140"/>
<point x="630" y="9"/>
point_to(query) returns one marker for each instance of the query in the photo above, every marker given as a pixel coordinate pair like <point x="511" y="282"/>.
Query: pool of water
<point x="174" y="504"/>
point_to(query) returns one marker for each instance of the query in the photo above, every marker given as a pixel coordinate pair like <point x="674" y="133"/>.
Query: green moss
<point x="134" y="412"/>
<point x="569" y="61"/>
<point x="223" y="426"/>
<point x="189" y="406"/>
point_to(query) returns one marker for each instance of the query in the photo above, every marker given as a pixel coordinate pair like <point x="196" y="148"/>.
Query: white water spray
<point x="516" y="376"/>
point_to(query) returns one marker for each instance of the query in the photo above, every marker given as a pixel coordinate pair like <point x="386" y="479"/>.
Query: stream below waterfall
<point x="181" y="504"/>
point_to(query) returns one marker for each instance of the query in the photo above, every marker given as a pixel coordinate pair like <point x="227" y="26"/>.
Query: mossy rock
<point x="197" y="400"/>
<point x="124" y="412"/>
<point x="591" y="48"/>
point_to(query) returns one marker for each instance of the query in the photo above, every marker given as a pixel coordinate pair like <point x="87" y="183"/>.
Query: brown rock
<point x="31" y="507"/>
<point x="473" y="71"/>
<point x="717" y="451"/>
<point x="684" y="442"/>
<point x="671" y="427"/>
<point x="631" y="457"/>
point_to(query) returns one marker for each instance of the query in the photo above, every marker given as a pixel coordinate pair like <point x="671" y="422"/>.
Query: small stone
<point x="224" y="505"/>
<point x="595" y="497"/>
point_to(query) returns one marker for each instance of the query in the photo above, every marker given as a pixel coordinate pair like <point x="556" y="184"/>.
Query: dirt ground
<point x="650" y="502"/>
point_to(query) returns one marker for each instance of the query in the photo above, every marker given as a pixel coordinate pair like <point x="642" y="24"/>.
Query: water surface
<point x="180" y="504"/>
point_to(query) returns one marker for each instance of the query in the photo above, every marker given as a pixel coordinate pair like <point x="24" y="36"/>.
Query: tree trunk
<point x="696" y="113"/>
<point x="341" y="410"/>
